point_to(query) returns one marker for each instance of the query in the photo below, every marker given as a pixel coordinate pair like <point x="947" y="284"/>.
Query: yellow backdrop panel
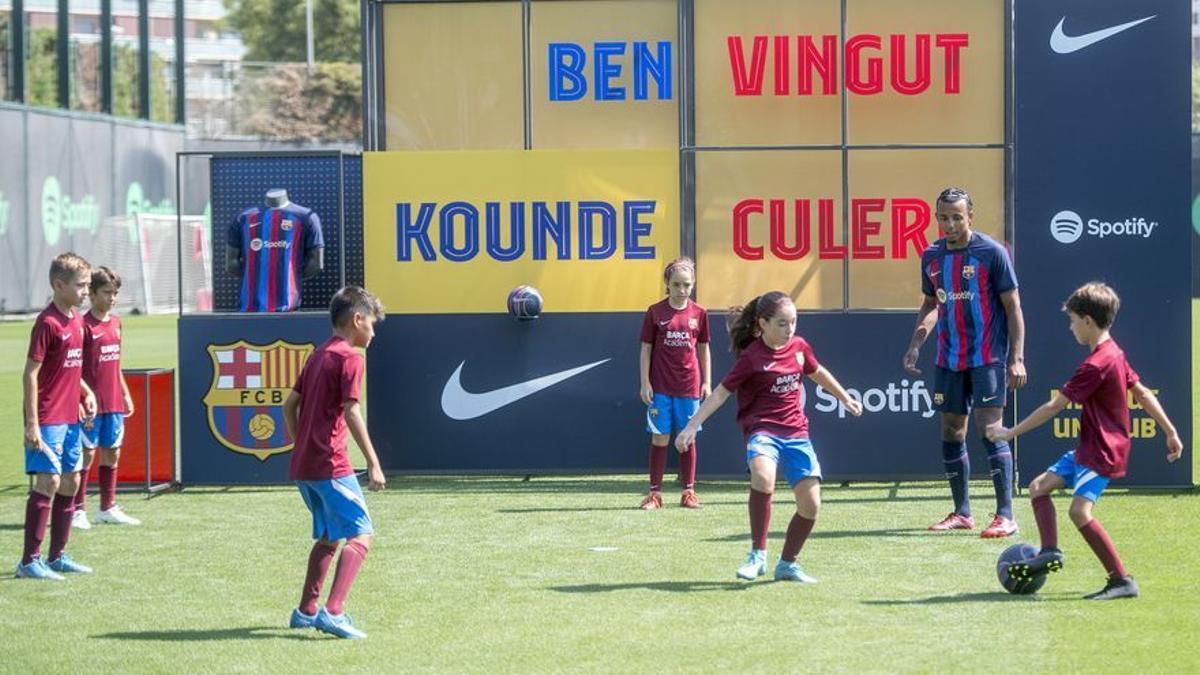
<point x="453" y="232"/>
<point x="645" y="73"/>
<point x="755" y="211"/>
<point x="453" y="76"/>
<point x="892" y="192"/>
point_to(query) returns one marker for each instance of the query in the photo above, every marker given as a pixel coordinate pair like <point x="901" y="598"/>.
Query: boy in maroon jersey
<point x="323" y="406"/>
<point x="102" y="372"/>
<point x="1100" y="385"/>
<point x="674" y="370"/>
<point x="53" y="392"/>
<point x="768" y="378"/>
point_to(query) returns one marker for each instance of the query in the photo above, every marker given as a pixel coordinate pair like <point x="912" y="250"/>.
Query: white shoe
<point x="79" y="521"/>
<point x="755" y="565"/>
<point x="116" y="516"/>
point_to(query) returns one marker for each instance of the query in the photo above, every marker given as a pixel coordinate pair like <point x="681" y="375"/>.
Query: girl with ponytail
<point x="768" y="379"/>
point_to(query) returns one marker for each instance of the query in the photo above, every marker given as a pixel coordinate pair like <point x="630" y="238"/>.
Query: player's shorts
<point x="66" y="450"/>
<point x="1085" y="482"/>
<point x="338" y="508"/>
<point x="106" y="430"/>
<point x="667" y="413"/>
<point x="794" y="455"/>
<point x="958" y="391"/>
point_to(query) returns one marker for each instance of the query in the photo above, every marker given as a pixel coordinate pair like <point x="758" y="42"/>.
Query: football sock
<point x="958" y="472"/>
<point x="1000" y="459"/>
<point x="1103" y="547"/>
<point x="319" y="559"/>
<point x="797" y="532"/>
<point x="108" y="487"/>
<point x="61" y="511"/>
<point x="81" y="493"/>
<point x="658" y="466"/>
<point x="1043" y="513"/>
<point x="760" y="518"/>
<point x="37" y="514"/>
<point x="351" y="559"/>
<point x="687" y="468"/>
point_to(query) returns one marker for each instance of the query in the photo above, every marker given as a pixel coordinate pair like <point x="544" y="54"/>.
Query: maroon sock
<point x="1043" y="513"/>
<point x="760" y="518"/>
<point x="1103" y="547"/>
<point x="797" y="533"/>
<point x="60" y="523"/>
<point x="81" y="493"/>
<point x="352" y="557"/>
<point x="108" y="487"/>
<point x="37" y="514"/>
<point x="687" y="468"/>
<point x="318" y="565"/>
<point x="658" y="466"/>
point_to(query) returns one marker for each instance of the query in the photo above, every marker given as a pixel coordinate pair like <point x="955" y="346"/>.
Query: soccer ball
<point x="525" y="303"/>
<point x="1017" y="553"/>
<point x="261" y="427"/>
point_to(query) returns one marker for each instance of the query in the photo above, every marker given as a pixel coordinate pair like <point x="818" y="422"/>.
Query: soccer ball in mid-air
<point x="1017" y="553"/>
<point x="525" y="303"/>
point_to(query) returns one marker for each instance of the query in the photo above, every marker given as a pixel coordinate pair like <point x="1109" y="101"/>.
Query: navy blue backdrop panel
<point x="239" y="182"/>
<point x="206" y="460"/>
<point x="1102" y="193"/>
<point x="593" y="420"/>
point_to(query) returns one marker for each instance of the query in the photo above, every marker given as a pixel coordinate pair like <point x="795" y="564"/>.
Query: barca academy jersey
<point x="275" y="243"/>
<point x="972" y="328"/>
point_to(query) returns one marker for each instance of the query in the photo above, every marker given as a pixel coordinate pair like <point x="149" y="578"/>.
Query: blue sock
<point x="1001" y="461"/>
<point x="958" y="472"/>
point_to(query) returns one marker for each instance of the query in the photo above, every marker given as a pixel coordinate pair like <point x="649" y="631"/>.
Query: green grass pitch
<point x="498" y="575"/>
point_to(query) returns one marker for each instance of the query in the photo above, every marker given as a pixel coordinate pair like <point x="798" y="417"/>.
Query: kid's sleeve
<point x="648" y="327"/>
<point x="352" y="375"/>
<point x="40" y="339"/>
<point x="1131" y="376"/>
<point x="811" y="364"/>
<point x="737" y="375"/>
<point x="703" y="336"/>
<point x="1083" y="383"/>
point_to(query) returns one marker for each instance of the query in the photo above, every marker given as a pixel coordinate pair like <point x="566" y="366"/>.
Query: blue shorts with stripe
<point x="794" y="455"/>
<point x="958" y="391"/>
<point x="1082" y="481"/>
<point x="66" y="450"/>
<point x="670" y="413"/>
<point x="106" y="430"/>
<point x="338" y="508"/>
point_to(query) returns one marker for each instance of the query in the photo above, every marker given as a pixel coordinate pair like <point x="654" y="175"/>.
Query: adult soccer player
<point x="971" y="296"/>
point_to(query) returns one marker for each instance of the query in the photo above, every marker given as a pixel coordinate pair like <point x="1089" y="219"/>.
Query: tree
<point x="274" y="30"/>
<point x="287" y="101"/>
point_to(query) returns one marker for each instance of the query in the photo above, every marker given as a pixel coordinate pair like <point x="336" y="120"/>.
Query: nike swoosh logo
<point x="986" y="399"/>
<point x="1062" y="43"/>
<point x="460" y="404"/>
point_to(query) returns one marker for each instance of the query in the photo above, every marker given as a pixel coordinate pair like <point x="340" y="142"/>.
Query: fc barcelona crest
<point x="968" y="271"/>
<point x="245" y="400"/>
<point x="693" y="324"/>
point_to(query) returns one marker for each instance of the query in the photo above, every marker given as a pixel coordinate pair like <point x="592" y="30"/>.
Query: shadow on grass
<point x="11" y="527"/>
<point x="581" y="509"/>
<point x="664" y="586"/>
<point x="995" y="596"/>
<point x="835" y="534"/>
<point x="215" y="634"/>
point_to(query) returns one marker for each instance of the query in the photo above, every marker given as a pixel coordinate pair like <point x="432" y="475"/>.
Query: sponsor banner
<point x="775" y="221"/>
<point x="235" y="372"/>
<point x="453" y="76"/>
<point x="14" y="251"/>
<point x="915" y="71"/>
<point x="604" y="74"/>
<point x="1104" y="189"/>
<point x="453" y="232"/>
<point x="485" y="393"/>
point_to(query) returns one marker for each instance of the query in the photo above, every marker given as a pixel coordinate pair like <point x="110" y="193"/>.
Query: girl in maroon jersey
<point x="768" y="379"/>
<point x="675" y="372"/>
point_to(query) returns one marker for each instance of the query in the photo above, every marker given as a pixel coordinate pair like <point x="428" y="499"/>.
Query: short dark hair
<point x="955" y="194"/>
<point x="102" y="276"/>
<point x="1096" y="300"/>
<point x="353" y="299"/>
